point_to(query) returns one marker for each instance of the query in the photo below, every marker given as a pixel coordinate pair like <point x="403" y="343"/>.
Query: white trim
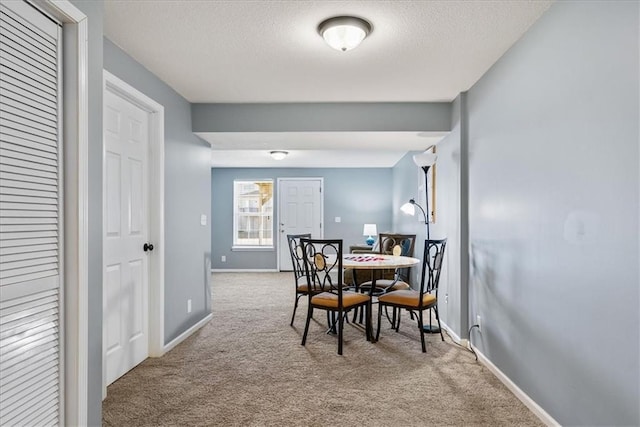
<point x="61" y="234"/>
<point x="455" y="337"/>
<point x="76" y="211"/>
<point x="322" y="222"/>
<point x="524" y="398"/>
<point x="156" y="212"/>
<point x="183" y="336"/>
<point x="244" y="270"/>
<point x="253" y="248"/>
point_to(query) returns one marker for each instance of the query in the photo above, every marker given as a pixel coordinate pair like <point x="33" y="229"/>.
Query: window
<point x="253" y="213"/>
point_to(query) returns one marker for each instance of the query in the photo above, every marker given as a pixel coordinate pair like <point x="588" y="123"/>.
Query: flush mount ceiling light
<point x="279" y="155"/>
<point x="344" y="32"/>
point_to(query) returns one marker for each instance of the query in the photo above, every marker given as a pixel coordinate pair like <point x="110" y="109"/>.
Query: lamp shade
<point x="344" y="33"/>
<point x="408" y="208"/>
<point x="425" y="159"/>
<point x="370" y="230"/>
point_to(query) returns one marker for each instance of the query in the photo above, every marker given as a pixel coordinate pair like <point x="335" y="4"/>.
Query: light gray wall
<point x="357" y="196"/>
<point x="451" y="220"/>
<point x="94" y="12"/>
<point x="187" y="196"/>
<point x="553" y="212"/>
<point x="332" y="117"/>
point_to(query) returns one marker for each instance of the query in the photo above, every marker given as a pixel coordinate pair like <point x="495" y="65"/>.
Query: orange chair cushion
<point x="407" y="298"/>
<point x="329" y="300"/>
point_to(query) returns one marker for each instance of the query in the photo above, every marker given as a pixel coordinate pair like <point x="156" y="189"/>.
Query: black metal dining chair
<point x="299" y="275"/>
<point x="393" y="244"/>
<point x="416" y="302"/>
<point x="323" y="267"/>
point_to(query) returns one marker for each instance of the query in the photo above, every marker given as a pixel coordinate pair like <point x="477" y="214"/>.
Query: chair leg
<point x="331" y="322"/>
<point x="356" y="289"/>
<point x="295" y="306"/>
<point x="398" y="319"/>
<point x="340" y="328"/>
<point x="391" y="319"/>
<point x="421" y="326"/>
<point x="306" y="326"/>
<point x="368" y="325"/>
<point x="438" y="319"/>
<point x="379" y="321"/>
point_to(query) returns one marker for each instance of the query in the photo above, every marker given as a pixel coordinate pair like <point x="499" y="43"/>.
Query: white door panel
<point x="300" y="212"/>
<point x="126" y="216"/>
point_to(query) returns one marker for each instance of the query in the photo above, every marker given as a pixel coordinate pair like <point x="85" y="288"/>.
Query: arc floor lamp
<point x="424" y="161"/>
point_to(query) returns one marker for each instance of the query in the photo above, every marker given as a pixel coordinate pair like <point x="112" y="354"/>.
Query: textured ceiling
<point x="270" y="51"/>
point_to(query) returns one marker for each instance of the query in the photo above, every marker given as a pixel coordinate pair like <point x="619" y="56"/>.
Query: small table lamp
<point x="370" y="230"/>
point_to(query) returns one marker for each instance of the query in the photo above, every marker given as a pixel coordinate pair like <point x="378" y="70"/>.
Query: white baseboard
<point x="521" y="395"/>
<point x="244" y="270"/>
<point x="183" y="336"/>
<point x="517" y="391"/>
<point x="461" y="341"/>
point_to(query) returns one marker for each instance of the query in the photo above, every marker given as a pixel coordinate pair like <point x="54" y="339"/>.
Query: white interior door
<point x="299" y="211"/>
<point x="126" y="272"/>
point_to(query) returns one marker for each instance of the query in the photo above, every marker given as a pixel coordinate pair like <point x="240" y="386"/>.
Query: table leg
<point x="370" y="310"/>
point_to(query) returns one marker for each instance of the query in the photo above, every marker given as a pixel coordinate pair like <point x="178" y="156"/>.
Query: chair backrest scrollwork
<point x="432" y="266"/>
<point x="323" y="264"/>
<point x="295" y="250"/>
<point x="398" y="244"/>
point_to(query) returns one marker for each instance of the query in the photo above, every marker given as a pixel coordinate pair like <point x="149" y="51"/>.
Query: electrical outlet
<point x="188" y="306"/>
<point x="479" y="322"/>
<point x="223" y="258"/>
<point x="446" y="298"/>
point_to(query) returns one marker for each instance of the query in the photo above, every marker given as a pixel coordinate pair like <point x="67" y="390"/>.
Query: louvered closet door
<point x="30" y="218"/>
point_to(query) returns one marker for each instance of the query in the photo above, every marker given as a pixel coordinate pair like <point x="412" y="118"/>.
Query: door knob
<point x="147" y="247"/>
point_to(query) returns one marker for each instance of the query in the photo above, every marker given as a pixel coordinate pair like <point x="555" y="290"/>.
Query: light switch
<point x="203" y="219"/>
<point x="338" y="219"/>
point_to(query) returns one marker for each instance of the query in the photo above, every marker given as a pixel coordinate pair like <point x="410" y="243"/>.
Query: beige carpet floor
<point x="247" y="368"/>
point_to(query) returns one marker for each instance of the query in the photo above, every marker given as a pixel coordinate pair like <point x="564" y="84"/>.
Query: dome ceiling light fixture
<point x="278" y="155"/>
<point x="344" y="33"/>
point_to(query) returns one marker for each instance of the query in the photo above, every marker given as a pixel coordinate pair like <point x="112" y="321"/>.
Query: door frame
<point x="305" y="178"/>
<point x="75" y="212"/>
<point x="155" y="316"/>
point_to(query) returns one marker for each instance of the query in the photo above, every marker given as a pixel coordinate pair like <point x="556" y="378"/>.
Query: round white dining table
<point x="377" y="261"/>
